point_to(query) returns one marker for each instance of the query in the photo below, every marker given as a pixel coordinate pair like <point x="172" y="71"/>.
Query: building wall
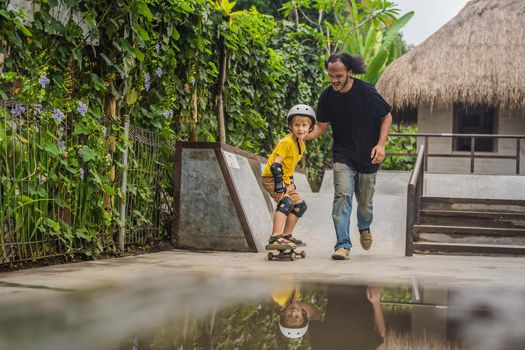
<point x="439" y="119"/>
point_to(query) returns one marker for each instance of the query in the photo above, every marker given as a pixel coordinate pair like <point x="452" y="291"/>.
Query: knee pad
<point x="285" y="205"/>
<point x="299" y="209"/>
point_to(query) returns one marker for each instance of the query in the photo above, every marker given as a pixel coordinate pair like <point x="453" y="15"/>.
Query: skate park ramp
<point x="219" y="201"/>
<point x="221" y="205"/>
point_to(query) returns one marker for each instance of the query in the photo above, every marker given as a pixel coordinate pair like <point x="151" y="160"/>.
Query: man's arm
<point x="319" y="129"/>
<point x="378" y="152"/>
<point x="374" y="297"/>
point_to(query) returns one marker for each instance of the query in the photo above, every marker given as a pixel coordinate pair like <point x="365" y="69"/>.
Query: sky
<point x="430" y="15"/>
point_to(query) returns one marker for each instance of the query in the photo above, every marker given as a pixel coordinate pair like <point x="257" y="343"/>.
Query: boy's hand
<point x="280" y="187"/>
<point x="280" y="196"/>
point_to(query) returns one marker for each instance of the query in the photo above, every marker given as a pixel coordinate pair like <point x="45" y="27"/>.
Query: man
<point x="360" y="120"/>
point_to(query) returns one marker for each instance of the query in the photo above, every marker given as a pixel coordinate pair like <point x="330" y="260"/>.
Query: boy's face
<point x="293" y="315"/>
<point x="300" y="126"/>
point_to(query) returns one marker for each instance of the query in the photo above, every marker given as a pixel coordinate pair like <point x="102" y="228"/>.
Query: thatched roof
<point x="477" y="57"/>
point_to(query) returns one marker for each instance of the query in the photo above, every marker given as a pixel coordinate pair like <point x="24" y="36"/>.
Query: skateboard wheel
<point x="270" y="256"/>
<point x="292" y="256"/>
<point x="303" y="254"/>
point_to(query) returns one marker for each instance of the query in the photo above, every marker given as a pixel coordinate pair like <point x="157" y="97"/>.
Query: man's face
<point x="339" y="76"/>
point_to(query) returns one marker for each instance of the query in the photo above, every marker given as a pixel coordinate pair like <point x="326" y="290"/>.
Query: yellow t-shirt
<point x="288" y="149"/>
<point x="283" y="293"/>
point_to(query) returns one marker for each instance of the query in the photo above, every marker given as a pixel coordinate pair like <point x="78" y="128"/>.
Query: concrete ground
<point x="439" y="271"/>
<point x="385" y="263"/>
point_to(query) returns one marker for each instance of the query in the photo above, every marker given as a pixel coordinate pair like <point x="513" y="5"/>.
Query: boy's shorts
<point x="269" y="185"/>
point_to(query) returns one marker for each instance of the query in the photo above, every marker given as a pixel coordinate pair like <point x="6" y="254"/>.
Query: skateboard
<point x="286" y="251"/>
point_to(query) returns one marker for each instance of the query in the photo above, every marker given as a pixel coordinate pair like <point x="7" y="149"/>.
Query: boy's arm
<point x="280" y="189"/>
<point x="319" y="129"/>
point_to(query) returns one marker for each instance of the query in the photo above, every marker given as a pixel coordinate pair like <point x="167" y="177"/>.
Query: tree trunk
<point x="194" y="136"/>
<point x="223" y="66"/>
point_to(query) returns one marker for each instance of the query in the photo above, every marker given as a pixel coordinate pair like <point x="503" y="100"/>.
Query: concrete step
<point x="469" y="235"/>
<point x="468" y="249"/>
<point x="472" y="218"/>
<point x="473" y="204"/>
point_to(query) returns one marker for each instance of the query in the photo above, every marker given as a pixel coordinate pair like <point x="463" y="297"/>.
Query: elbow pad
<point x="277" y="171"/>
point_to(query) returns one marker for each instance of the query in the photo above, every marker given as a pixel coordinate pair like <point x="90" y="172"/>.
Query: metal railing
<point x="51" y="194"/>
<point x="414" y="193"/>
<point x="472" y="154"/>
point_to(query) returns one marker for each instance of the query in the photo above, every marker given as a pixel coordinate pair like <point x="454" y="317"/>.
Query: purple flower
<point x="58" y="115"/>
<point x="82" y="108"/>
<point x="147" y="85"/>
<point x="192" y="81"/>
<point x="43" y="80"/>
<point x="104" y="130"/>
<point x="159" y="72"/>
<point x="167" y="113"/>
<point x="82" y="171"/>
<point x="17" y="110"/>
<point x="157" y="48"/>
<point x="147" y="78"/>
<point x="81" y="151"/>
<point x="61" y="146"/>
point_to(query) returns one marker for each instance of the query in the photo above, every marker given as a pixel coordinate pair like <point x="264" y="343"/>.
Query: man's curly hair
<point x="355" y="63"/>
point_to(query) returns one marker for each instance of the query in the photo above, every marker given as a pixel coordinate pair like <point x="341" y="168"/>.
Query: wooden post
<point x="518" y="154"/>
<point x="411" y="208"/>
<point x="472" y="150"/>
<point x="123" y="188"/>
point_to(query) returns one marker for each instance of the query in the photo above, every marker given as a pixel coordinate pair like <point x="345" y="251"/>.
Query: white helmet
<point x="301" y="109"/>
<point x="293" y="333"/>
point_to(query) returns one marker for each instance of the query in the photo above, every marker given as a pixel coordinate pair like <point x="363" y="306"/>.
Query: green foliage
<point x="158" y="63"/>
<point x="401" y="145"/>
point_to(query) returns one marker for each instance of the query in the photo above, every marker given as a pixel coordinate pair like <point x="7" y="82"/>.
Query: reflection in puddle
<point x="341" y="317"/>
<point x="177" y="313"/>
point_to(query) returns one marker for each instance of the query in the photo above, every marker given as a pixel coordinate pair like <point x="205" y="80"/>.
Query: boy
<point x="294" y="315"/>
<point x="277" y="177"/>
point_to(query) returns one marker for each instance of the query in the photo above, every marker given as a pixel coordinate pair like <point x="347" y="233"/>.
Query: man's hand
<point x="319" y="129"/>
<point x="373" y="294"/>
<point x="378" y="154"/>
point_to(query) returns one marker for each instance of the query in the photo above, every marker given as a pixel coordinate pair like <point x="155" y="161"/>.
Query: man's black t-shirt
<point x="355" y="117"/>
<point x="348" y="323"/>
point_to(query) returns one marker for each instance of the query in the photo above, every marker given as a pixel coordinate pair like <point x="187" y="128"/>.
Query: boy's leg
<point x="297" y="211"/>
<point x="279" y="217"/>
<point x="344" y="186"/>
<point x="278" y="222"/>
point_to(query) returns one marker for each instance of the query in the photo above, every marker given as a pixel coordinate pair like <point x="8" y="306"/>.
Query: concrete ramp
<point x="219" y="200"/>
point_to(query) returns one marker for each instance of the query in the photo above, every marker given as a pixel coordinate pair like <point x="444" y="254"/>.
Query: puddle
<point x="185" y="312"/>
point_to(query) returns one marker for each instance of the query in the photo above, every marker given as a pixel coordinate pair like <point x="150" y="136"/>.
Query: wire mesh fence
<point x="59" y="184"/>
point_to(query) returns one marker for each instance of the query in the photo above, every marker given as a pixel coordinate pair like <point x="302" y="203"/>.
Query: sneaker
<point x="341" y="254"/>
<point x="365" y="239"/>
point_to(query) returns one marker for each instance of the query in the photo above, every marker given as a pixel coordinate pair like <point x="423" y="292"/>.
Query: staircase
<point x="470" y="226"/>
